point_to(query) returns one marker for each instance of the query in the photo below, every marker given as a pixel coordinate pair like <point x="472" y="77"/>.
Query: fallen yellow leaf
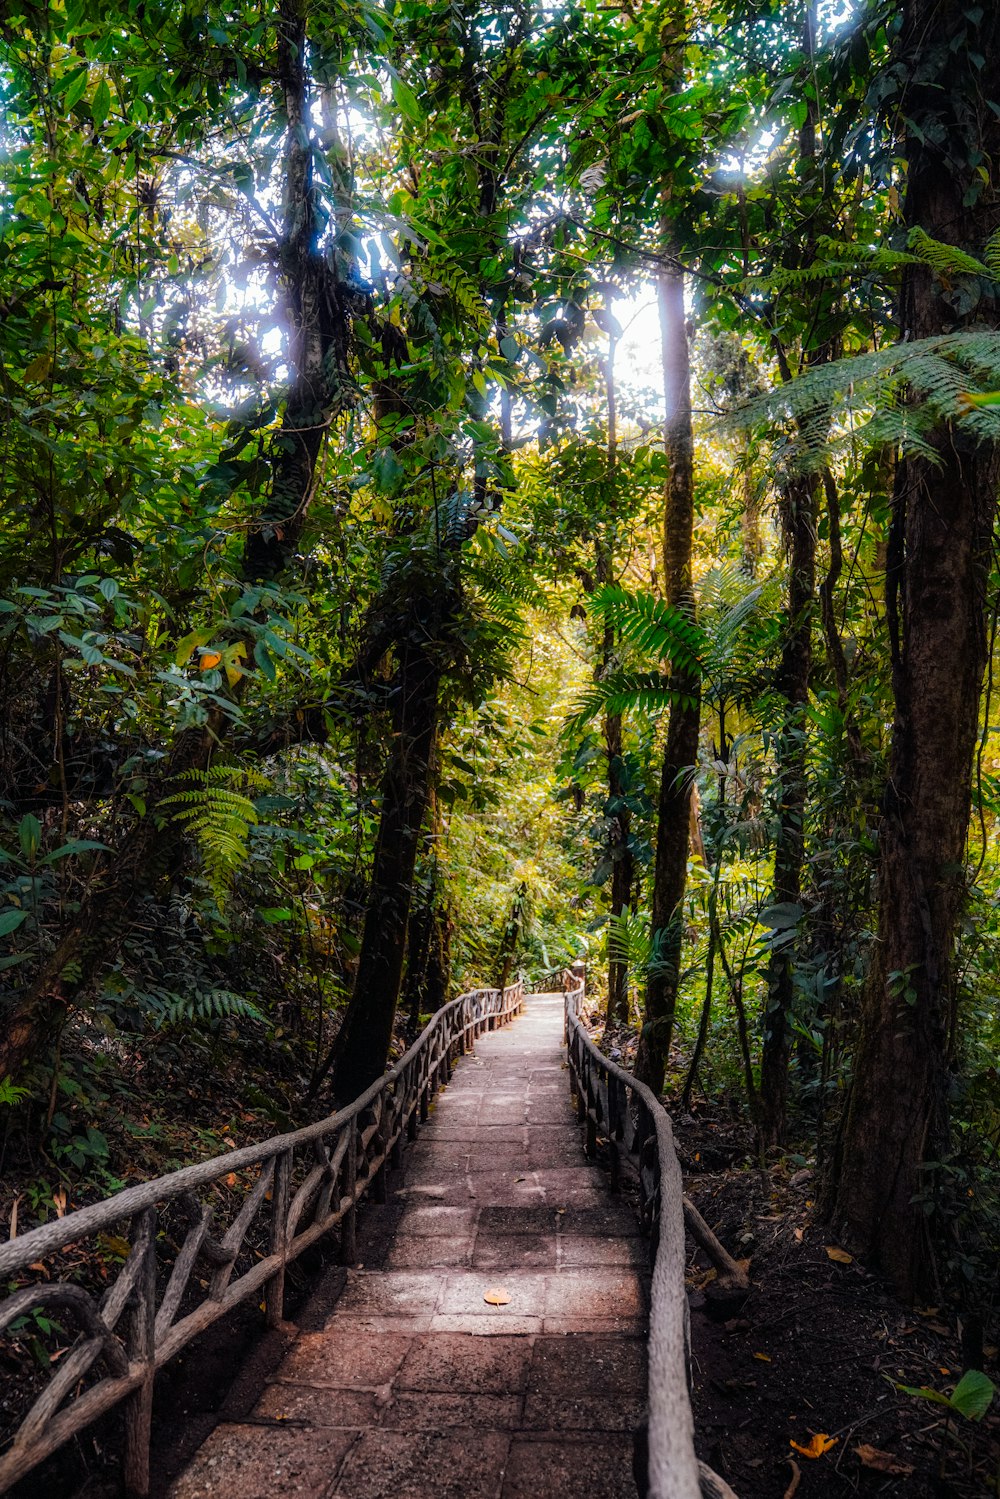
<point x="116" y="1244"/>
<point x="818" y="1444"/>
<point x="497" y="1296"/>
<point x="840" y="1255"/>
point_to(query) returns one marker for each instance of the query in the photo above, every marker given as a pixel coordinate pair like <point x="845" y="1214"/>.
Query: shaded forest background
<point x="488" y="487"/>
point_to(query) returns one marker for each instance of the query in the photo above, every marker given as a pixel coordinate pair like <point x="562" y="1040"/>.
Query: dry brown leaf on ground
<point x="882" y="1462"/>
<point x="840" y="1255"/>
<point x="497" y="1296"/>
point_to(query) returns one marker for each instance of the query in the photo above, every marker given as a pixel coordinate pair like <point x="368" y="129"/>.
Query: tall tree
<point x="797" y="508"/>
<point x="680" y="756"/>
<point x="937" y="568"/>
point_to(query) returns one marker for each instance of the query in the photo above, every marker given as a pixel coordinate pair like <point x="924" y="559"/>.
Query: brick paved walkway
<point x="416" y="1388"/>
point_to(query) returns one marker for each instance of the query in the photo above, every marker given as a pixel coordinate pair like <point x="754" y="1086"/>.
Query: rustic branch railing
<point x="301" y="1186"/>
<point x="612" y="1105"/>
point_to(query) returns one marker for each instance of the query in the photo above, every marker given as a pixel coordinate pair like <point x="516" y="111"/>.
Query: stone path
<point x="416" y="1388"/>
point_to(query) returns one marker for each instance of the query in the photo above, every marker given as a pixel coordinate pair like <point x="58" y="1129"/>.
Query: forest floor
<point x="819" y="1349"/>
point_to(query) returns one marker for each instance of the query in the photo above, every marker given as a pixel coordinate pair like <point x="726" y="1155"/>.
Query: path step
<point x="417" y="1388"/>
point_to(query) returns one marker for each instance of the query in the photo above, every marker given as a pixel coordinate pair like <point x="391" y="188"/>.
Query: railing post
<point x="349" y="1222"/>
<point x="398" y="1093"/>
<point x="274" y="1294"/>
<point x="591" y="1142"/>
<point x="616" y="1102"/>
<point x="378" y="1140"/>
<point x="141" y="1350"/>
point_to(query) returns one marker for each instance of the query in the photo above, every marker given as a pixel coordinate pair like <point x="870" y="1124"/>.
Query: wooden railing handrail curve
<point x="615" y="1106"/>
<point x="308" y="1182"/>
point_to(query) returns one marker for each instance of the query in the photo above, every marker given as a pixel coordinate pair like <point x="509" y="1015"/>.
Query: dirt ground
<point x="819" y="1349"/>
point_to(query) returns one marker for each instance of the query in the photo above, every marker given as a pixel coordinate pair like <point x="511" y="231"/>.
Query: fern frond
<point x="623" y="692"/>
<point x="991" y="255"/>
<point x="654" y="627"/>
<point x="216" y="1004"/>
<point x="944" y="260"/>
<point x="219" y="817"/>
<point x="909" y="388"/>
<point x="628" y="939"/>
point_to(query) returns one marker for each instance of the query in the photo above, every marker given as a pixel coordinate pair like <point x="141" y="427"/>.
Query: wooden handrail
<point x="614" y="1106"/>
<point x="306" y="1183"/>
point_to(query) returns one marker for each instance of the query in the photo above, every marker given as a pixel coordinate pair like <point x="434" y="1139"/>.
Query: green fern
<point x="729" y="651"/>
<point x="900" y="394"/>
<point x="219" y="818"/>
<point x="216" y="1004"/>
<point x="623" y="692"/>
<point x="11" y="1093"/>
<point x="631" y="942"/>
<point x="991" y="255"/>
<point x="654" y="627"/>
<point x="839" y="260"/>
<point x="944" y="260"/>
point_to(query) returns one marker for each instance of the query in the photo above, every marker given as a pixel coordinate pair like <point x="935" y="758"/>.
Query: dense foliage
<point x="369" y="625"/>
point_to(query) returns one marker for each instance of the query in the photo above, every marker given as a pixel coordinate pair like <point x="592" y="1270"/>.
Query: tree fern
<point x="622" y="692"/>
<point x="730" y="650"/>
<point x="219" y="816"/>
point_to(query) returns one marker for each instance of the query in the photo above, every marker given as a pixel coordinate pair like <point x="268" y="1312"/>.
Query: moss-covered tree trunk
<point x="938" y="565"/>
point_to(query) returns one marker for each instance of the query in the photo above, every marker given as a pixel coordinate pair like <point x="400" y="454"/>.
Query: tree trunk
<point x="798" y="525"/>
<point x="937" y="572"/>
<point x="681" y="753"/>
<point x="798" y="517"/>
<point x="622" y="862"/>
<point x="622" y="868"/>
<point x="511" y="936"/>
<point x="317" y="321"/>
<point x="366" y="1034"/>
